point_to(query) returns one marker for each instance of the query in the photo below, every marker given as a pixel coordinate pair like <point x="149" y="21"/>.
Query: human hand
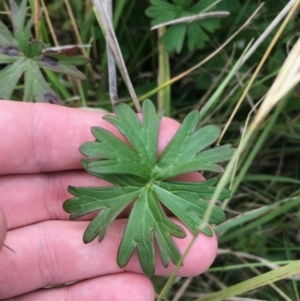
<point x="39" y="158"/>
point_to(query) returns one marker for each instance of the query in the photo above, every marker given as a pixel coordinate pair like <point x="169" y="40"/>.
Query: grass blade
<point x="255" y="282"/>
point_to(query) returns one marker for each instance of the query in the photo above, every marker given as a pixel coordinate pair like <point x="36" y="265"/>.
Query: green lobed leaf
<point x="118" y="156"/>
<point x="185" y="4"/>
<point x="50" y="63"/>
<point x="210" y="25"/>
<point x="143" y="180"/>
<point x="196" y="36"/>
<point x="6" y="38"/>
<point x="9" y="76"/>
<point x="68" y="60"/>
<point x="203" y="189"/>
<point x="26" y="44"/>
<point x="26" y="57"/>
<point x="187" y="142"/>
<point x="204" y="161"/>
<point x="186" y="209"/>
<point x="30" y="48"/>
<point x="142" y="135"/>
<point x="18" y="16"/>
<point x="193" y="32"/>
<point x="36" y="88"/>
<point x="181" y="155"/>
<point x="155" y="223"/>
<point x="162" y="11"/>
<point x="111" y="200"/>
<point x="4" y="58"/>
<point x="174" y="37"/>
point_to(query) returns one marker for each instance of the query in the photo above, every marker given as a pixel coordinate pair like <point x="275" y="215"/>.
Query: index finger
<point x="39" y="137"/>
<point x="42" y="137"/>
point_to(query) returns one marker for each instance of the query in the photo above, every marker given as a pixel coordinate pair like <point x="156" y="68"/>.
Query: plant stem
<point x="37" y="19"/>
<point x="164" y="95"/>
<point x="115" y="48"/>
<point x="112" y="74"/>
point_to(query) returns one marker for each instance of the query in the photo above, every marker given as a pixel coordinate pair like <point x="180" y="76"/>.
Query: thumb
<point x="2" y="228"/>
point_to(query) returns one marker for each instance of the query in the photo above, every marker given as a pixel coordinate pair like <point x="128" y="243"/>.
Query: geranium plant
<point x="146" y="181"/>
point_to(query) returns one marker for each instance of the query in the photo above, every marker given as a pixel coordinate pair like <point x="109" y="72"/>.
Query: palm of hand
<point x="39" y="159"/>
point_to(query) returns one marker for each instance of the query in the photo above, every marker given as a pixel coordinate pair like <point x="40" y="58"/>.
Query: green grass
<point x="262" y="230"/>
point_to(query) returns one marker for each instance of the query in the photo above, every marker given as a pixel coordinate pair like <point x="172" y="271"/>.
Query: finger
<point x="52" y="252"/>
<point x="125" y="286"/>
<point x="43" y="137"/>
<point x="2" y="228"/>
<point x="28" y="199"/>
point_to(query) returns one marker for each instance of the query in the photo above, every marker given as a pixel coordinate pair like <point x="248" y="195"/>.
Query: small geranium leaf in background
<point x="33" y="48"/>
<point x="194" y="31"/>
<point x="162" y="11"/>
<point x="18" y="16"/>
<point x="28" y="57"/>
<point x="144" y="180"/>
<point x="9" y="77"/>
<point x="6" y="38"/>
<point x="210" y="26"/>
<point x="173" y="38"/>
<point x="11" y="57"/>
<point x="50" y="63"/>
<point x="67" y="60"/>
<point x="36" y="88"/>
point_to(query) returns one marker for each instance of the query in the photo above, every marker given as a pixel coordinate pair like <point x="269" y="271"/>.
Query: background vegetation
<point x="267" y="176"/>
